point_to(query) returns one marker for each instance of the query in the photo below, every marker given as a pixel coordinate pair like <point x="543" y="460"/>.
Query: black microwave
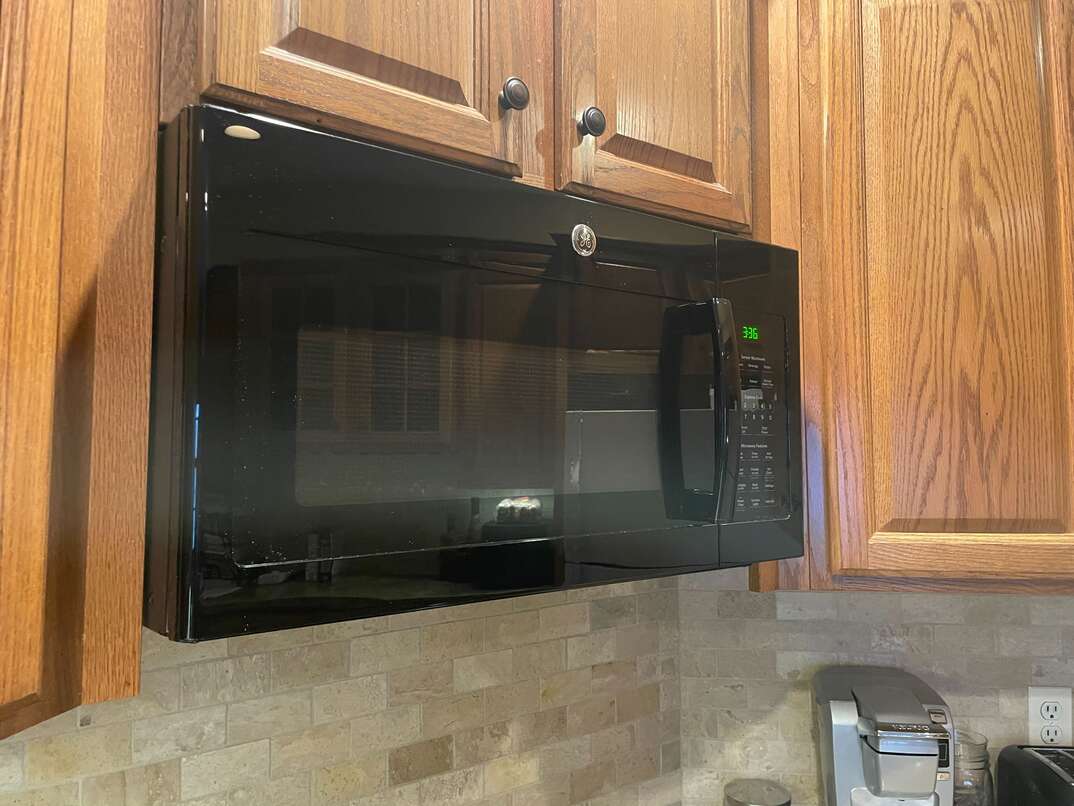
<point x="384" y="383"/>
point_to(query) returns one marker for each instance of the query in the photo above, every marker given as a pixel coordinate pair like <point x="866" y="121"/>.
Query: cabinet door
<point x="31" y="191"/>
<point x="76" y="280"/>
<point x="947" y="243"/>
<point x="424" y="75"/>
<point x="673" y="83"/>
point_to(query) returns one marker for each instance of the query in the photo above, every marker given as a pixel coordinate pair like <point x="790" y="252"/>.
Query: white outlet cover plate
<point x="1060" y="700"/>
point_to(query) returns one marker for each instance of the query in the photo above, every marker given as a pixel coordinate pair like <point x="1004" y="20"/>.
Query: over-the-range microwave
<point x="384" y="383"/>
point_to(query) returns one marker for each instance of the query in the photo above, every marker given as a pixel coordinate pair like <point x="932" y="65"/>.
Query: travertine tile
<point x="268" y="716"/>
<point x="933" y="608"/>
<point x="346" y="630"/>
<point x="555" y="760"/>
<point x="808" y="606"/>
<point x="349" y="698"/>
<point x="743" y="604"/>
<point x="320" y="746"/>
<point x="504" y="702"/>
<point x="545" y="793"/>
<point x="636" y="703"/>
<point x="180" y="734"/>
<point x="417" y="684"/>
<point x="482" y="671"/>
<point x="386" y="729"/>
<point x="539" y="660"/>
<point x="588" y="650"/>
<point x="639" y="764"/>
<point x="271" y="641"/>
<point x="461" y="786"/>
<point x="590" y="715"/>
<point x="1052" y="610"/>
<point x="749" y="664"/>
<point x="159" y="653"/>
<point x="482" y="744"/>
<point x="539" y="600"/>
<point x="635" y="640"/>
<point x="156" y="785"/>
<point x="224" y="769"/>
<point x="612" y="743"/>
<point x="1037" y="642"/>
<point x="10" y="765"/>
<point x="452" y="639"/>
<point x="875" y="608"/>
<point x="386" y="651"/>
<point x="342" y="783"/>
<point x="226" y="680"/>
<point x="420" y="760"/>
<point x="663" y="791"/>
<point x="658" y="606"/>
<point x="955" y="639"/>
<point x="566" y="687"/>
<point x="408" y="795"/>
<point x="534" y="730"/>
<point x="511" y="630"/>
<point x="592" y="781"/>
<point x="159" y="695"/>
<point x="615" y="676"/>
<point x="293" y="791"/>
<point x="452" y="714"/>
<point x="308" y="665"/>
<point x="564" y="620"/>
<point x="510" y="772"/>
<point x="90" y="751"/>
<point x="618" y="612"/>
<point x="62" y="795"/>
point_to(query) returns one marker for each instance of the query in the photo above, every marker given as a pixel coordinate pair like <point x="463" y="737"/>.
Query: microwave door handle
<point x="696" y="318"/>
<point x="728" y="409"/>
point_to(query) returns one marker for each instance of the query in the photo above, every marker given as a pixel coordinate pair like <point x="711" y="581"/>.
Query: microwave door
<point x="387" y="405"/>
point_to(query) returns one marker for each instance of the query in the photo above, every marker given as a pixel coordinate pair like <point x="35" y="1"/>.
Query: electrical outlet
<point x="1049" y="712"/>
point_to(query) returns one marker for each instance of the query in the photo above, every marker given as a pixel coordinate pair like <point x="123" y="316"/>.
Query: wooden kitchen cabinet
<point x="673" y="84"/>
<point x="79" y="103"/>
<point x="425" y="76"/>
<point x="937" y="182"/>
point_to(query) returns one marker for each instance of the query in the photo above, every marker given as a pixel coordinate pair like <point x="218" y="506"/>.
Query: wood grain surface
<point x="33" y="91"/>
<point x="936" y="195"/>
<point x="675" y="90"/>
<point x="96" y="285"/>
<point x="776" y="183"/>
<point x="425" y="76"/>
<point x="969" y="402"/>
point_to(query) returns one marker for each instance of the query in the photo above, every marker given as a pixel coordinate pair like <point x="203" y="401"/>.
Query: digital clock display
<point x="750" y="333"/>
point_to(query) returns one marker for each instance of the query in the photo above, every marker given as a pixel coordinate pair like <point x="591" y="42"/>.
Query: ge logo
<point x="584" y="240"/>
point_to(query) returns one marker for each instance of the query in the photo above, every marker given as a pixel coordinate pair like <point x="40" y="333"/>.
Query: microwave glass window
<point x="390" y="404"/>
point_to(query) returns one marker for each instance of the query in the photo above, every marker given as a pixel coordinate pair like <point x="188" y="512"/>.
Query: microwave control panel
<point x="762" y="489"/>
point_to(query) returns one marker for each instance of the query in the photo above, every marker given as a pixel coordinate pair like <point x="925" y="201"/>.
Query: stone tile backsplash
<point x="560" y="698"/>
<point x="747" y="660"/>
<point x="655" y="692"/>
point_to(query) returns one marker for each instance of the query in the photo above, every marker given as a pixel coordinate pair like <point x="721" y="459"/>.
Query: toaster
<point x="1035" y="776"/>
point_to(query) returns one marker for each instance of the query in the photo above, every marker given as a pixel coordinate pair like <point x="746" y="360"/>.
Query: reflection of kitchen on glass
<point x="389" y="383"/>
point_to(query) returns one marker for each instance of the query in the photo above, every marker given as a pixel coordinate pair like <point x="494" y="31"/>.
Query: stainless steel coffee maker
<point x="885" y="738"/>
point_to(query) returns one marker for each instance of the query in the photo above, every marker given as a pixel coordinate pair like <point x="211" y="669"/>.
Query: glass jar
<point x="973" y="777"/>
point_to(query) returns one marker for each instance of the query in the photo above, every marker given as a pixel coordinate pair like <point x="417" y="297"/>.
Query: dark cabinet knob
<point x="515" y="94"/>
<point x="592" y="122"/>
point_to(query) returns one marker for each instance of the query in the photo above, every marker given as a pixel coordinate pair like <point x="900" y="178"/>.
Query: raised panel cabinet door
<point x="953" y="293"/>
<point x="33" y="40"/>
<point x="672" y="81"/>
<point x="424" y="75"/>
